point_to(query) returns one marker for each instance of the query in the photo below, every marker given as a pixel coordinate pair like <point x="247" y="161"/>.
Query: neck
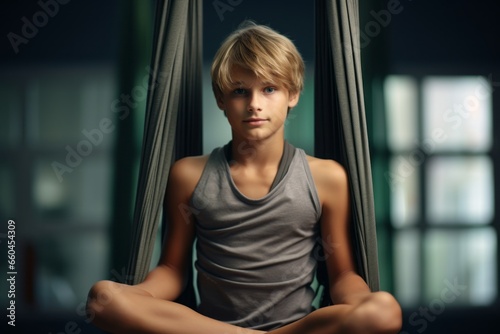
<point x="248" y="153"/>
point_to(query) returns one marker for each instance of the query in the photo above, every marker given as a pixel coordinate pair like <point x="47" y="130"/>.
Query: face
<point x="256" y="110"/>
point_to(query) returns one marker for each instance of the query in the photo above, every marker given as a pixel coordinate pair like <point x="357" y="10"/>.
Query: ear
<point x="293" y="99"/>
<point x="220" y="101"/>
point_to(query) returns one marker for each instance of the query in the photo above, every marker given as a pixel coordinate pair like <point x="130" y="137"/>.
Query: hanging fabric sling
<point x="340" y="129"/>
<point x="340" y="125"/>
<point x="174" y="89"/>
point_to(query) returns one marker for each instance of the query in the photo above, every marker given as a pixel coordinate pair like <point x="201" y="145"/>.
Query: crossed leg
<point x="120" y="308"/>
<point x="378" y="313"/>
<point x="123" y="309"/>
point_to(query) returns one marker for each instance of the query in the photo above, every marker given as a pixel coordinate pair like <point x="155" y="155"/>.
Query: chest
<point x="235" y="206"/>
<point x="253" y="184"/>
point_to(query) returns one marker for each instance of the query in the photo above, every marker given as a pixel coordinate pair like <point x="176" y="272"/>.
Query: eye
<point x="239" y="91"/>
<point x="269" y="90"/>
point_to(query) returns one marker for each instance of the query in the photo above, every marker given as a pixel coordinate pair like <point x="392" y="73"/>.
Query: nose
<point x="254" y="103"/>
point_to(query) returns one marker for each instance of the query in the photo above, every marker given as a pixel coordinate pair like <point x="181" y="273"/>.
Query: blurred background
<point x="73" y="85"/>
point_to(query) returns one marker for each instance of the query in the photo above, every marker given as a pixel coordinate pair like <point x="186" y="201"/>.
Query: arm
<point x="346" y="286"/>
<point x="356" y="309"/>
<point x="150" y="307"/>
<point x="168" y="280"/>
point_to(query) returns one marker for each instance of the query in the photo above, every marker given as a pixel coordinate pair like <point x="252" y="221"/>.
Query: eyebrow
<point x="238" y="83"/>
<point x="263" y="83"/>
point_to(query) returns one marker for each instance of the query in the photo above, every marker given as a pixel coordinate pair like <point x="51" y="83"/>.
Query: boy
<point x="257" y="207"/>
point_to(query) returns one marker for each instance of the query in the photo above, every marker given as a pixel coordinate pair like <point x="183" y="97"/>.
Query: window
<point x="436" y="159"/>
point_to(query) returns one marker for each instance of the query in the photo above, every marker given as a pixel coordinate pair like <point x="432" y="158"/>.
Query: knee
<point x="103" y="299"/>
<point x="381" y="313"/>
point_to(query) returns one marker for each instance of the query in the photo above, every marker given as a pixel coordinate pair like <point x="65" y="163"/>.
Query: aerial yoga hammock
<point x="173" y="130"/>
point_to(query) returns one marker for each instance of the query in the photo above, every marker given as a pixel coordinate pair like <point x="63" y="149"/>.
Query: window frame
<point x="382" y="153"/>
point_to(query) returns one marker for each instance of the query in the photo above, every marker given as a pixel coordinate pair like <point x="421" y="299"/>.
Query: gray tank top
<point x="255" y="259"/>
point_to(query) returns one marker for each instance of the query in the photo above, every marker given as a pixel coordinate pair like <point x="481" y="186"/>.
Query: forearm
<point x="349" y="288"/>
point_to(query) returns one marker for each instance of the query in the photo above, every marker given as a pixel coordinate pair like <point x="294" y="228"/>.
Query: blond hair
<point x="271" y="56"/>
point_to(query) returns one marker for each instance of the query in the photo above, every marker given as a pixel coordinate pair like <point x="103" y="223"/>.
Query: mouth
<point x="255" y="121"/>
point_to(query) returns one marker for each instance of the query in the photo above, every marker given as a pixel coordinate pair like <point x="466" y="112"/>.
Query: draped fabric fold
<point x="174" y="89"/>
<point x="340" y="125"/>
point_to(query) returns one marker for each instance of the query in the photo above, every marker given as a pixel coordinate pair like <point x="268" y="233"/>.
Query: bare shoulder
<point x="329" y="176"/>
<point x="186" y="172"/>
<point x="327" y="170"/>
